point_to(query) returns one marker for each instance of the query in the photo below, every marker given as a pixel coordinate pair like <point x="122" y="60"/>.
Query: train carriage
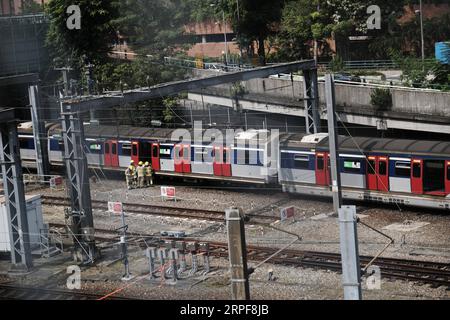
<point x="410" y="172"/>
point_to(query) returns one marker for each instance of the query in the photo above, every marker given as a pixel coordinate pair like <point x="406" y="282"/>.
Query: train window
<point x="371" y="167"/>
<point x="126" y="149"/>
<point x="448" y="172"/>
<point x="320" y="163"/>
<point x="382" y="168"/>
<point x="114" y="148"/>
<point x="351" y="166"/>
<point x="155" y="151"/>
<point x="417" y="170"/>
<point x="247" y="157"/>
<point x="403" y="169"/>
<point x="301" y="162"/>
<point x="164" y="152"/>
<point x="135" y="150"/>
<point x="95" y="147"/>
<point x="106" y="147"/>
<point x="23" y="142"/>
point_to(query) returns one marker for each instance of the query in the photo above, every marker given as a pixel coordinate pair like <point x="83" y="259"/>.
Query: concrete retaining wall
<point x="404" y="100"/>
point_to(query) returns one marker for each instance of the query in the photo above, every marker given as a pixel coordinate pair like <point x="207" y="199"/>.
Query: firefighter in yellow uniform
<point x="141" y="174"/>
<point x="130" y="173"/>
<point x="148" y="174"/>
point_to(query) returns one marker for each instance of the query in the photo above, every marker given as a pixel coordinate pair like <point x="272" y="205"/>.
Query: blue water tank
<point x="443" y="52"/>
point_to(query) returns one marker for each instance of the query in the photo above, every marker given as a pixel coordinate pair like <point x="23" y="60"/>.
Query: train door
<point x="156" y="165"/>
<point x="383" y="173"/>
<point x="447" y="177"/>
<point x="107" y="154"/>
<point x="178" y="158"/>
<point x="226" y="165"/>
<point x="111" y="153"/>
<point x="218" y="160"/>
<point x="186" y="158"/>
<point x="372" y="173"/>
<point x="135" y="152"/>
<point x="322" y="171"/>
<point x="417" y="176"/>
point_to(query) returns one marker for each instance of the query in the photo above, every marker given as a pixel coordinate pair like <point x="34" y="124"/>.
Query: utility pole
<point x="351" y="269"/>
<point x="40" y="135"/>
<point x="422" y="36"/>
<point x="65" y="72"/>
<point x="237" y="251"/>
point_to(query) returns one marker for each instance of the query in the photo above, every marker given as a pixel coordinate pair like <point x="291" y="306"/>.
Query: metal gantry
<point x="80" y="213"/>
<point x="311" y="97"/>
<point x="14" y="194"/>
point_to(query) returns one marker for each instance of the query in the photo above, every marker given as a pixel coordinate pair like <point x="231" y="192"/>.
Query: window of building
<point x="403" y="169"/>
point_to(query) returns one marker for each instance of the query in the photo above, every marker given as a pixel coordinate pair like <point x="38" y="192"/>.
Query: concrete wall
<point x="409" y="101"/>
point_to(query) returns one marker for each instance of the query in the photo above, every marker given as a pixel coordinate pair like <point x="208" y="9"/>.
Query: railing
<point x="367" y="64"/>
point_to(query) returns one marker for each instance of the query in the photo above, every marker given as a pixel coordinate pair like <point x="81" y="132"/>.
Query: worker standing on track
<point x="148" y="174"/>
<point x="141" y="174"/>
<point x="130" y="173"/>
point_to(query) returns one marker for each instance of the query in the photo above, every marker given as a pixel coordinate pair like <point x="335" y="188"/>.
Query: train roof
<point x="367" y="145"/>
<point x="124" y="132"/>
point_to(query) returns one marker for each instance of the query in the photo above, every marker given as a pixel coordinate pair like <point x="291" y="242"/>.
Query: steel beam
<point x="106" y="101"/>
<point x="14" y="196"/>
<point x="40" y="135"/>
<point x="80" y="213"/>
<point x="311" y="98"/>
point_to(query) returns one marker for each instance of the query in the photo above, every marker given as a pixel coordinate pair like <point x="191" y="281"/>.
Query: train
<point x="392" y="171"/>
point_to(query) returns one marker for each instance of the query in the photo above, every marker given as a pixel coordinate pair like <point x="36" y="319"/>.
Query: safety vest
<point x="148" y="171"/>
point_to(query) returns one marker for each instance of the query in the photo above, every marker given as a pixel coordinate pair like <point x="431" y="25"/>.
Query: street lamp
<point x="224" y="34"/>
<point x="420" y="11"/>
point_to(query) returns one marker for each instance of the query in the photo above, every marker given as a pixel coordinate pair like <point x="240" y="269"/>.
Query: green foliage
<point x="337" y="64"/>
<point x="30" y="7"/>
<point x="381" y="98"/>
<point x="169" y="103"/>
<point x="93" y="41"/>
<point x="431" y="74"/>
<point x="238" y="90"/>
<point x="154" y="27"/>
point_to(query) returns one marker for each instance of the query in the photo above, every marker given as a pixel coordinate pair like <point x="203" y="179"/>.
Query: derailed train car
<point x="408" y="172"/>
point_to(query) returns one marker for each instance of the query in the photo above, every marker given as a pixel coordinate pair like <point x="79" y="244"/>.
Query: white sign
<point x="287" y="213"/>
<point x="168" y="192"/>
<point x="115" y="207"/>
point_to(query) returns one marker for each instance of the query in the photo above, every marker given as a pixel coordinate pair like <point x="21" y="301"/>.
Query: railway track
<point x="432" y="273"/>
<point x="149" y="209"/>
<point x="12" y="292"/>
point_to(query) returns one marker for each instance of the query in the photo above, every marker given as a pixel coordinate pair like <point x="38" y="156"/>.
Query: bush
<point x="381" y="98"/>
<point x="337" y="64"/>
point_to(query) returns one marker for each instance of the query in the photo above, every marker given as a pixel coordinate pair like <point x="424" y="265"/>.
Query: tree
<point x="154" y="27"/>
<point x="92" y="42"/>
